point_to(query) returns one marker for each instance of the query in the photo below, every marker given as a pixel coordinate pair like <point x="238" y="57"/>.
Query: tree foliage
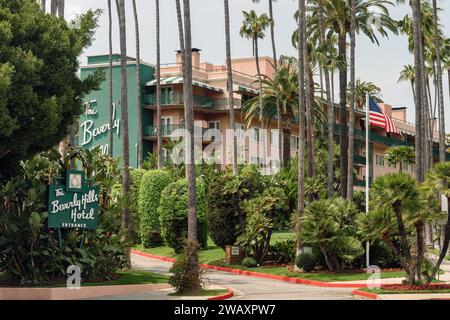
<point x="40" y="91"/>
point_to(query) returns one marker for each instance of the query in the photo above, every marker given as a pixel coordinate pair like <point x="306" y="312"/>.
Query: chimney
<point x="195" y="57"/>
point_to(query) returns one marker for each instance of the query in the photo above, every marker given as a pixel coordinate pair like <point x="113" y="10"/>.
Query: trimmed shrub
<point x="152" y="184"/>
<point x="136" y="178"/>
<point x="224" y="211"/>
<point x="284" y="251"/>
<point x="152" y="238"/>
<point x="173" y="214"/>
<point x="249" y="262"/>
<point x="306" y="261"/>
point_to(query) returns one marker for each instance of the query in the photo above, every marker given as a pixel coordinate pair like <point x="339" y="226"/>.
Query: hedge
<point x="173" y="214"/>
<point x="152" y="184"/>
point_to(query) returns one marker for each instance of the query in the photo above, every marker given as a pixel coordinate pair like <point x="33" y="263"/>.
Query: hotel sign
<point x="73" y="205"/>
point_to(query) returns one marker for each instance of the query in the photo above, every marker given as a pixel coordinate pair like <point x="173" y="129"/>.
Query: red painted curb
<point x="364" y="294"/>
<point x="225" y="296"/>
<point x="260" y="275"/>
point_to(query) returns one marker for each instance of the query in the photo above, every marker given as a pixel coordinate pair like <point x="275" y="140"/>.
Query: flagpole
<point x="367" y="175"/>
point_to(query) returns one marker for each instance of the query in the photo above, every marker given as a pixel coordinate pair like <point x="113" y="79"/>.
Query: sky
<point x="378" y="64"/>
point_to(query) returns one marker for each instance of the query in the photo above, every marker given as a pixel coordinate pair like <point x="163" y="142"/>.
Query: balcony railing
<point x="199" y="101"/>
<point x="359" y="160"/>
<point x="168" y="130"/>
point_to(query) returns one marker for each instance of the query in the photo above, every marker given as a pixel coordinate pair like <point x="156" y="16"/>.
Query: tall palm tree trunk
<point x="190" y="161"/>
<point x="124" y="115"/>
<point x="330" y="110"/>
<point x="110" y="69"/>
<point x="343" y="113"/>
<point x="440" y="90"/>
<point x="138" y="81"/>
<point x="351" y="132"/>
<point x="158" y="87"/>
<point x="274" y="57"/>
<point x="301" y="100"/>
<point x="415" y="4"/>
<point x="61" y="8"/>
<point x="43" y="5"/>
<point x="54" y="7"/>
<point x="426" y="121"/>
<point x="230" y="86"/>
<point x="309" y="91"/>
<point x="261" y="107"/>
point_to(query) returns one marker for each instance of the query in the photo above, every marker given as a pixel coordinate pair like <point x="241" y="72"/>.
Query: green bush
<point x="187" y="276"/>
<point x="152" y="238"/>
<point x="173" y="213"/>
<point x="152" y="184"/>
<point x="224" y="212"/>
<point x="249" y="262"/>
<point x="284" y="251"/>
<point x="136" y="178"/>
<point x="30" y="253"/>
<point x="306" y="261"/>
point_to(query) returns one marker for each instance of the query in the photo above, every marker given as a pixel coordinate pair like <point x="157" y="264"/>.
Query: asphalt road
<point x="245" y="287"/>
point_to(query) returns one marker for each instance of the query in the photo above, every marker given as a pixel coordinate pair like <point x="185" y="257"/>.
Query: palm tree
<point x="330" y="106"/>
<point x="253" y="27"/>
<point x="438" y="183"/>
<point x="301" y="116"/>
<point x="124" y="114"/>
<point x="337" y="14"/>
<point x="275" y="61"/>
<point x="364" y="88"/>
<point x="419" y="90"/>
<point x="158" y="87"/>
<point x="186" y="48"/>
<point x="309" y="96"/>
<point x="438" y="76"/>
<point x="400" y="155"/>
<point x="351" y="132"/>
<point x="111" y="103"/>
<point x="230" y="85"/>
<point x="398" y="192"/>
<point x="138" y="81"/>
<point x="408" y="74"/>
<point x="43" y="5"/>
<point x="281" y="90"/>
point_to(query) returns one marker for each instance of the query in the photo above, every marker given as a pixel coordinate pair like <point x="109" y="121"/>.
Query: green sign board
<point x="73" y="205"/>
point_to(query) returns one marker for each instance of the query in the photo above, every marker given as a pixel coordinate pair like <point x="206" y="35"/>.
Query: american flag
<point x="379" y="118"/>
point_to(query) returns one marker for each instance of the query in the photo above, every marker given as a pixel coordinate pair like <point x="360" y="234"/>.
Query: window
<point x="256" y="135"/>
<point x="214" y="125"/>
<point x="274" y="137"/>
<point x="256" y="160"/>
<point x="294" y="142"/>
<point x="379" y="160"/>
<point x="240" y="130"/>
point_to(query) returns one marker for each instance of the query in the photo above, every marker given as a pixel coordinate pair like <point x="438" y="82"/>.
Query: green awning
<point x="177" y="80"/>
<point x="244" y="89"/>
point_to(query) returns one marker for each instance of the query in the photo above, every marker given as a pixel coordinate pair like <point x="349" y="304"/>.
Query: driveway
<point x="245" y="287"/>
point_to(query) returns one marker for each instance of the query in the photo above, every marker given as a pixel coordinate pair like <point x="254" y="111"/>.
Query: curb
<point x="225" y="296"/>
<point x="260" y="275"/>
<point x="368" y="295"/>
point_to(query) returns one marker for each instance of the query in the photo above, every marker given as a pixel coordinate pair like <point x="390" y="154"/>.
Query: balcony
<point x="359" y="160"/>
<point x="199" y="101"/>
<point x="168" y="130"/>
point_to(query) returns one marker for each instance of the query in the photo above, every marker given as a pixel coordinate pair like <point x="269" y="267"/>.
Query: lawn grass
<point x="384" y="291"/>
<point x="124" y="278"/>
<point x="215" y="255"/>
<point x="131" y="277"/>
<point x="203" y="293"/>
